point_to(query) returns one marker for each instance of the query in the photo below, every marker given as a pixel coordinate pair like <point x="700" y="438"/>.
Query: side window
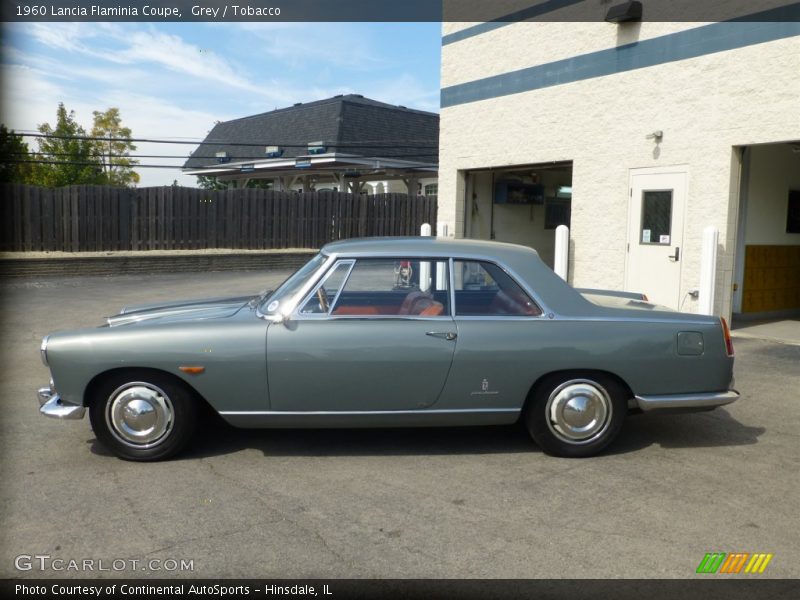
<point x="323" y="296"/>
<point x="395" y="287"/>
<point x="483" y="288"/>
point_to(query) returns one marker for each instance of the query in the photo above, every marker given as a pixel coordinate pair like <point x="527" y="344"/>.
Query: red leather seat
<point x="407" y="307"/>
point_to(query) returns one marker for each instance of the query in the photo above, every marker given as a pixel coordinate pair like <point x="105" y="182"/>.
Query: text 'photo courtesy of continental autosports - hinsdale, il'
<point x="484" y="333"/>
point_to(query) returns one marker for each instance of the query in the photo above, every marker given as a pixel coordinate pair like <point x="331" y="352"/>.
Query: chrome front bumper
<point x="687" y="401"/>
<point x="51" y="405"/>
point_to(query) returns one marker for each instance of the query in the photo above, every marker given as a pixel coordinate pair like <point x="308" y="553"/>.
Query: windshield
<point x="285" y="293"/>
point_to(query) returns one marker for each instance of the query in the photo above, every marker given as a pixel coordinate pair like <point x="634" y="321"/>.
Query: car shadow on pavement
<point x="222" y="438"/>
<point x="217" y="438"/>
<point x="710" y="429"/>
<point x="693" y="430"/>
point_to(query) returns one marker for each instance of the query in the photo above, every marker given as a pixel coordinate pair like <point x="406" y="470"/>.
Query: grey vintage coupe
<point x="392" y="332"/>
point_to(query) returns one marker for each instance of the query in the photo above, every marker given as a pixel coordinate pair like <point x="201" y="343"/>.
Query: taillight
<point x="727" y="333"/>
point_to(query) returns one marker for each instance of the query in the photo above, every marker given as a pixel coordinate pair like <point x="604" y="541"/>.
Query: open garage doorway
<point x="521" y="204"/>
<point x="767" y="268"/>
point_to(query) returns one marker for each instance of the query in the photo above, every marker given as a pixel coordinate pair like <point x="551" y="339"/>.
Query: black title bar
<point x="700" y="588"/>
<point x="501" y="11"/>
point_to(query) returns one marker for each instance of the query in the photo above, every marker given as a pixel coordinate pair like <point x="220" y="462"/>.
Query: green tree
<point x="13" y="154"/>
<point x="114" y="150"/>
<point x="65" y="159"/>
<point x="209" y="182"/>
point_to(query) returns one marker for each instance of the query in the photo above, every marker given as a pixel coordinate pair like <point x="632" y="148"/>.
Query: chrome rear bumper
<point x="684" y="401"/>
<point x="51" y="405"/>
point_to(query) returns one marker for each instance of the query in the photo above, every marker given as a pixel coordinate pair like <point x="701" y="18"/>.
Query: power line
<point x="140" y="166"/>
<point x="187" y="157"/>
<point x="339" y="144"/>
<point x="88" y="164"/>
<point x="36" y="153"/>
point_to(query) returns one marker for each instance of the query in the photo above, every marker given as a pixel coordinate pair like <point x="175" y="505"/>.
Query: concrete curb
<point x="146" y="262"/>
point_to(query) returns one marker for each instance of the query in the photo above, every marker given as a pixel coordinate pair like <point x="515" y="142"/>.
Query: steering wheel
<point x="322" y="296"/>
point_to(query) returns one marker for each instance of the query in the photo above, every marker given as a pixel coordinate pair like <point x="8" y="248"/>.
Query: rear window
<point x="484" y="289"/>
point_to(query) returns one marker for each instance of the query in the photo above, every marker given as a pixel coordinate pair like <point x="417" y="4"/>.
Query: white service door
<point x="655" y="234"/>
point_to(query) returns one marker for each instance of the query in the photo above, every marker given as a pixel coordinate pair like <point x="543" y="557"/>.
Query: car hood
<point x="180" y="310"/>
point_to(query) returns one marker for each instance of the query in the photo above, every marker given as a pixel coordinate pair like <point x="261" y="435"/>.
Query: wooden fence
<point x="87" y="218"/>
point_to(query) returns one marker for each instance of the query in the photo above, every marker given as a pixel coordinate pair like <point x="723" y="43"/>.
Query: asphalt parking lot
<point x="449" y="503"/>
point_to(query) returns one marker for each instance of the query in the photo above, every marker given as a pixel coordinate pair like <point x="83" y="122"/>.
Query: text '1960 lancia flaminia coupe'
<point x="392" y="332"/>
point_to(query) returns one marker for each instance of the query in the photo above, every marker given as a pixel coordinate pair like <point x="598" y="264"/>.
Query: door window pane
<point x="656" y="217"/>
<point x="395" y="287"/>
<point x="483" y="288"/>
<point x="323" y="296"/>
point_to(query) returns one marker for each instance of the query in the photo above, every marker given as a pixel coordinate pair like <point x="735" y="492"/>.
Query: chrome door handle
<point x="445" y="335"/>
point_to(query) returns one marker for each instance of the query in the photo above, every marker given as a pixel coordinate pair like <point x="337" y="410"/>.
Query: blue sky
<point x="174" y="80"/>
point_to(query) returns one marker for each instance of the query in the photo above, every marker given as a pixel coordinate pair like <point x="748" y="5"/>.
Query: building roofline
<point x="356" y="99"/>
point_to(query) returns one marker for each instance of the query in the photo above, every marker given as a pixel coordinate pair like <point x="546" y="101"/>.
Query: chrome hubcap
<point x="579" y="411"/>
<point x="139" y="415"/>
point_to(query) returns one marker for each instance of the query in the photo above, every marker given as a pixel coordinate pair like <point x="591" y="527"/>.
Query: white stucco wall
<point x="706" y="107"/>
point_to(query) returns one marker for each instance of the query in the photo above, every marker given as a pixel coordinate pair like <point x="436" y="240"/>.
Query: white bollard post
<point x="708" y="270"/>
<point x="561" y="262"/>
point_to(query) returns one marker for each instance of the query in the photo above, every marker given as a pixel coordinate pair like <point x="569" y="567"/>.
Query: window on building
<point x="432" y="189"/>
<point x="656" y="217"/>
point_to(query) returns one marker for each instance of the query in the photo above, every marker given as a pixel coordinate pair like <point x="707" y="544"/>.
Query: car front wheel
<point x="574" y="415"/>
<point x="143" y="416"/>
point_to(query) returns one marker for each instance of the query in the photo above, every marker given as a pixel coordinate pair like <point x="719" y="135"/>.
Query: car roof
<point x="522" y="262"/>
<point x="435" y="246"/>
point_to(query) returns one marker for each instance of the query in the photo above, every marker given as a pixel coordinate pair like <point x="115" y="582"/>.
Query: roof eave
<point x="309" y="161"/>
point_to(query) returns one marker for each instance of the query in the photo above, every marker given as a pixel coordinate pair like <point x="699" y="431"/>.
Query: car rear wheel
<point x="576" y="415"/>
<point x="143" y="416"/>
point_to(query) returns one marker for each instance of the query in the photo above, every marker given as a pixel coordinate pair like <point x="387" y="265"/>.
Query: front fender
<point x="231" y="351"/>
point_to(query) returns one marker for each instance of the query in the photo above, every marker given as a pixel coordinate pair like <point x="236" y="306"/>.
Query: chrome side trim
<point x="343" y="413"/>
<point x="645" y="318"/>
<point x="503" y="318"/>
<point x="383" y="318"/>
<point x="51" y="405"/>
<point x="451" y="267"/>
<point x="675" y="401"/>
